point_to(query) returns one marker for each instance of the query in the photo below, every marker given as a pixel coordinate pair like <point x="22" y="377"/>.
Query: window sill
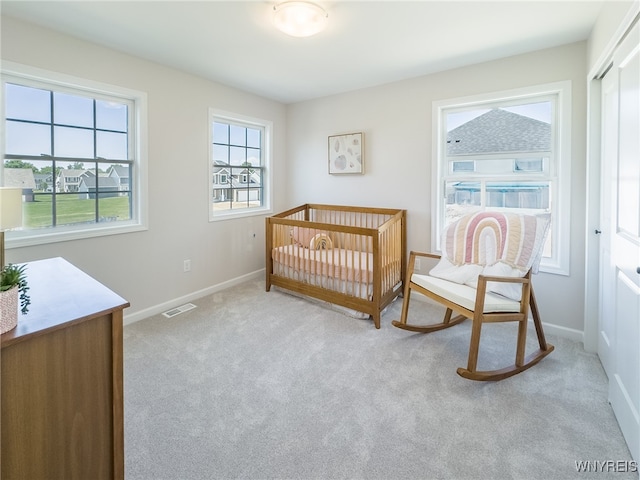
<point x="553" y="268"/>
<point x="16" y="239"/>
<point x="254" y="212"/>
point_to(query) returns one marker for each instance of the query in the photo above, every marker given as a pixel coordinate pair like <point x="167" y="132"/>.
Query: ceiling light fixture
<point x="299" y="19"/>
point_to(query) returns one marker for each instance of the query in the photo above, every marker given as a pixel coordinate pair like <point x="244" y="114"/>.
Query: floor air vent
<point x="178" y="310"/>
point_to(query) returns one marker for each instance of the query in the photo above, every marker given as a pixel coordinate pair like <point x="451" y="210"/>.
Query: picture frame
<point x="346" y="154"/>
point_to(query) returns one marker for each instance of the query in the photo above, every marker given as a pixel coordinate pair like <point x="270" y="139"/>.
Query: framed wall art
<point x="346" y="154"/>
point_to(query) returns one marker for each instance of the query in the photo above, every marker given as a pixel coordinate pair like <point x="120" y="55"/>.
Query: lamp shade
<point x="299" y="19"/>
<point x="10" y="208"/>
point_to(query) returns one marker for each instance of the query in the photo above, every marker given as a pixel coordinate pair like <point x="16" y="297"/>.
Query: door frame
<point x="594" y="144"/>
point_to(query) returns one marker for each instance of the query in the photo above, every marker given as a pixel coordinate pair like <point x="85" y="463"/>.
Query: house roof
<point x="499" y="131"/>
<point x="104" y="182"/>
<point x="122" y="172"/>
<point x="42" y="176"/>
<point x="254" y="178"/>
<point x="19" y="177"/>
<point x="71" y="172"/>
<point x="253" y="183"/>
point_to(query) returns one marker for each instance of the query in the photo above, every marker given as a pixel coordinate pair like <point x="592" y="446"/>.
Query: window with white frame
<point x="74" y="147"/>
<point x="238" y="165"/>
<point x="507" y="151"/>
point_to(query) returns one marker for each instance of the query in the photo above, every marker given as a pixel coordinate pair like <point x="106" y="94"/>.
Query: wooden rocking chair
<point x="484" y="274"/>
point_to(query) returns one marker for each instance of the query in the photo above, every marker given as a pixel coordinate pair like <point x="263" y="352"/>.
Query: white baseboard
<point x="564" y="332"/>
<point x="549" y="328"/>
<point x="156" y="309"/>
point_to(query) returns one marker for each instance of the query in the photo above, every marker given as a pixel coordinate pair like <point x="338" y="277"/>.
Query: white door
<point x="606" y="323"/>
<point x="620" y="316"/>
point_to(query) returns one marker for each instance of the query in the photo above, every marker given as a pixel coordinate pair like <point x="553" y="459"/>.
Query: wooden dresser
<point x="61" y="391"/>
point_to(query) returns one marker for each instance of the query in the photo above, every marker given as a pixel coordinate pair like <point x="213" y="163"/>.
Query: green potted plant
<point x="13" y="286"/>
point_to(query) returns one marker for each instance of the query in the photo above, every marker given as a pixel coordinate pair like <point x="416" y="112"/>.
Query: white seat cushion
<point x="464" y="295"/>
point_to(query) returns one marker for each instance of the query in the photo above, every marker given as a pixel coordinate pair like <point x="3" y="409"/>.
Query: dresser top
<point x="61" y="295"/>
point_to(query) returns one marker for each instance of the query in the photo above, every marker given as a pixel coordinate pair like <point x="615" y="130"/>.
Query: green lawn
<point x="70" y="209"/>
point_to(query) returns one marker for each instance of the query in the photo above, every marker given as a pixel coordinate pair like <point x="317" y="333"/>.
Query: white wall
<point x="146" y="267"/>
<point x="396" y="121"/>
<point x="608" y="29"/>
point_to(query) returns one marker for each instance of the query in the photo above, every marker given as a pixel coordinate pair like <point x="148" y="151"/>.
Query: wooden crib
<point x="354" y="257"/>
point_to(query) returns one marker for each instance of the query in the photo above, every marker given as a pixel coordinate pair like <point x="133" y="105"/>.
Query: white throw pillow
<point x="509" y="290"/>
<point x="462" y="274"/>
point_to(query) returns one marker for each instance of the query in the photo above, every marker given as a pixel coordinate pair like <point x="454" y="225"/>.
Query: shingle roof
<point x="71" y="172"/>
<point x="105" y="182"/>
<point x="19" y="177"/>
<point x="121" y="171"/>
<point x="499" y="131"/>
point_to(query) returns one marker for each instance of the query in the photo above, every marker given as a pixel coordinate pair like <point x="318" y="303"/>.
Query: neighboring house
<point x="515" y="195"/>
<point x="249" y="175"/>
<point x="107" y="187"/>
<point x="69" y="179"/>
<point x="500" y="132"/>
<point x="238" y="185"/>
<point x="121" y="174"/>
<point x="23" y="178"/>
<point x="221" y="183"/>
<point x="44" y="181"/>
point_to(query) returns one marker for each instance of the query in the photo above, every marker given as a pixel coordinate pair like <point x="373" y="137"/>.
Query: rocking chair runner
<point x="484" y="274"/>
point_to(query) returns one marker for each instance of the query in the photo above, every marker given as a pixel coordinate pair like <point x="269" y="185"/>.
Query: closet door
<point x="621" y="270"/>
<point x="609" y="167"/>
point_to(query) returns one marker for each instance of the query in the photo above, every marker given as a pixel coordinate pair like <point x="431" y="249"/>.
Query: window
<point x="238" y="166"/>
<point x="508" y="151"/>
<point x="76" y="151"/>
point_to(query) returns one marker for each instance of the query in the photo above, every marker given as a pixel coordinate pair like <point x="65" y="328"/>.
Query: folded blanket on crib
<point x="336" y="263"/>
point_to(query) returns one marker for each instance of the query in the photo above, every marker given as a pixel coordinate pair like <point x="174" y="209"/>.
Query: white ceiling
<point x="366" y="43"/>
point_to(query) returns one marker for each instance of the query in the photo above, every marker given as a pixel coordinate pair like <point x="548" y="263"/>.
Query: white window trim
<point x="560" y="214"/>
<point x="139" y="222"/>
<point x="267" y="191"/>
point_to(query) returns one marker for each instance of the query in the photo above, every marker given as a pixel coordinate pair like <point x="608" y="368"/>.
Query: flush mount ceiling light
<point x="299" y="19"/>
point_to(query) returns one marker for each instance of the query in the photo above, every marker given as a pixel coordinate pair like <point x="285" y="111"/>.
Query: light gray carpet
<point x="261" y="385"/>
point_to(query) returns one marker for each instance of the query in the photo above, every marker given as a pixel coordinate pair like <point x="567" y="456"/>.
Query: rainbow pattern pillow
<point x="311" y="238"/>
<point x="492" y="243"/>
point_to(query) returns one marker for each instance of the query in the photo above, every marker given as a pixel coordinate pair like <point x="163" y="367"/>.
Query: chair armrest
<point x="495" y="278"/>
<point x="422" y="254"/>
<point x="525" y="283"/>
<point x="412" y="261"/>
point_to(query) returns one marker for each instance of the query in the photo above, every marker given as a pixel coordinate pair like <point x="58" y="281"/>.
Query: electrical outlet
<point x="187" y="265"/>
<point x="416" y="265"/>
